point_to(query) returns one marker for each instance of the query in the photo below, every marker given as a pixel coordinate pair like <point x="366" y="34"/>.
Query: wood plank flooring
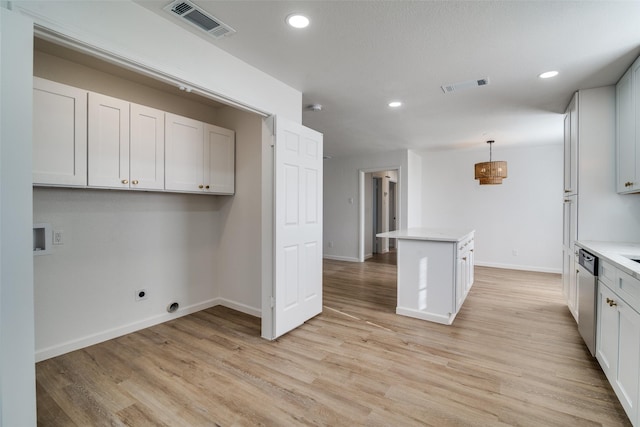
<point x="513" y="357"/>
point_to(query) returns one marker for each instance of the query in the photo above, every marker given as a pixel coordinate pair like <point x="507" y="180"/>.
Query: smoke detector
<point x="199" y="18"/>
<point x="455" y="87"/>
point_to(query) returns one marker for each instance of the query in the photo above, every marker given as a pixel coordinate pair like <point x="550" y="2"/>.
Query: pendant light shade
<point x="491" y="172"/>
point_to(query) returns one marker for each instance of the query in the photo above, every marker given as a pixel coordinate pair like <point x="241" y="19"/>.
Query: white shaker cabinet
<point x="618" y="344"/>
<point x="219" y="167"/>
<point x="126" y="144"/>
<point x="59" y="134"/>
<point x="571" y="147"/>
<point x="199" y="157"/>
<point x="628" y="130"/>
<point x="146" y="148"/>
<point x="108" y="128"/>
<point x="184" y="150"/>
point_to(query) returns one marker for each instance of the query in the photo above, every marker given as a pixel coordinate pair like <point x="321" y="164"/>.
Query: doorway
<point x="379" y="209"/>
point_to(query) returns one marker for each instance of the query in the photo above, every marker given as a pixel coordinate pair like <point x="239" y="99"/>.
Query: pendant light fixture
<point x="491" y="172"/>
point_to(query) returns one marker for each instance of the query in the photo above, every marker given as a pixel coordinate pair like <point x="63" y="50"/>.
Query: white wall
<point x="117" y="242"/>
<point x="196" y="250"/>
<point x="17" y="370"/>
<point x="138" y="35"/>
<point x="603" y="214"/>
<point x="523" y="214"/>
<point x="239" y="250"/>
<point x="341" y="184"/>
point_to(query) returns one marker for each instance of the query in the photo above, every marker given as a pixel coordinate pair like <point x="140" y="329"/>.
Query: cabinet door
<point x="219" y="156"/>
<point x="607" y="332"/>
<point x="59" y="134"/>
<point x="146" y="153"/>
<point x="618" y="347"/>
<point x="628" y="372"/>
<point x="573" y="287"/>
<point x="184" y="151"/>
<point x="625" y="133"/>
<point x="108" y="129"/>
<point x="571" y="147"/>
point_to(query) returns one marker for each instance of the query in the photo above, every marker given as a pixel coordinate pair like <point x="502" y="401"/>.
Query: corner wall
<point x="519" y="223"/>
<point x="342" y="198"/>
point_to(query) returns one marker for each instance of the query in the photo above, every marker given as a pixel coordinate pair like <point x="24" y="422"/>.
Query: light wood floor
<point x="512" y="357"/>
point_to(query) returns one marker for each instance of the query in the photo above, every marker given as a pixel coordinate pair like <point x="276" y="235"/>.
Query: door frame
<point x="361" y="204"/>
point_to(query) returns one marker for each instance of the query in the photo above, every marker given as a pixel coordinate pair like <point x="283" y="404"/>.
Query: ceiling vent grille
<point x="455" y="87"/>
<point x="199" y="18"/>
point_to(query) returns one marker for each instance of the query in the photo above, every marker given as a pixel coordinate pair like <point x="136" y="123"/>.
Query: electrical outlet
<point x="515" y="252"/>
<point x="141" y="294"/>
<point x="58" y="237"/>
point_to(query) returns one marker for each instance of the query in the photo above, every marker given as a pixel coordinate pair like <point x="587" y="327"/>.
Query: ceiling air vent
<point x="199" y="18"/>
<point x="455" y="87"/>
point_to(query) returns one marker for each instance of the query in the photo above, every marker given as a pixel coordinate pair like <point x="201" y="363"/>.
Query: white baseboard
<point x="340" y="258"/>
<point x="77" y="344"/>
<point x="432" y="317"/>
<point x="243" y="308"/>
<point x="367" y="256"/>
<point x="519" y="267"/>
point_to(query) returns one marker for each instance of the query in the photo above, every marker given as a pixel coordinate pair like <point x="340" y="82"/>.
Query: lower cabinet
<point x="618" y="347"/>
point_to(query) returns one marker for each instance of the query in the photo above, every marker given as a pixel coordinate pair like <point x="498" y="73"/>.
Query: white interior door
<point x="298" y="226"/>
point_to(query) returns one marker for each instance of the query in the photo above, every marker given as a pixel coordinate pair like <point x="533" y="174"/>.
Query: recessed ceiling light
<point x="298" y="21"/>
<point x="395" y="104"/>
<point x="548" y="74"/>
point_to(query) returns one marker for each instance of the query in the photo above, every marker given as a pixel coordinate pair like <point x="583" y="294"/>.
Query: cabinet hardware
<point x="200" y="186"/>
<point x="207" y="187"/>
<point x="125" y="181"/>
<point x="628" y="184"/>
<point x="464" y="258"/>
<point x="134" y="182"/>
<point x="567" y="191"/>
<point x="611" y="302"/>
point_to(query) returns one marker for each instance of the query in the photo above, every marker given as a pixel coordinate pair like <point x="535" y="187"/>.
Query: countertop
<point x="616" y="253"/>
<point x="434" y="234"/>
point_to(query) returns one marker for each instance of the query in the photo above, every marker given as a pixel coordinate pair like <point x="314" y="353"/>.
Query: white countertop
<point x="436" y="234"/>
<point x="617" y="253"/>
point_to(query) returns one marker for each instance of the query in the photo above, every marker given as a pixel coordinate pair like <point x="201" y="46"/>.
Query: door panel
<point x="147" y="148"/>
<point x="298" y="226"/>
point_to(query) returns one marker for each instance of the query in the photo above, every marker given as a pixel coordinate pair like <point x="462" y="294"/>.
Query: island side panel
<point x="426" y="280"/>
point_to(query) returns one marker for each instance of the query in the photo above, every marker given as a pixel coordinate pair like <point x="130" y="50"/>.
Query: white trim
<point x="77" y="344"/>
<point x="518" y="267"/>
<point x="367" y="256"/>
<point x="417" y="314"/>
<point x="341" y="258"/>
<point x="59" y="38"/>
<point x="243" y="308"/>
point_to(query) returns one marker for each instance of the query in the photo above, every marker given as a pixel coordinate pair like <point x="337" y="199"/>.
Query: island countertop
<point x="435" y="234"/>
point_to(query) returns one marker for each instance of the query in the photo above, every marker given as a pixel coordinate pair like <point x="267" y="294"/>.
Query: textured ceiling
<point x="356" y="56"/>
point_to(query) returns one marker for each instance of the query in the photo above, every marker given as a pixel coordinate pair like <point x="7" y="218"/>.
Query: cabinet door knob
<point x="134" y="182"/>
<point x="611" y="302"/>
<point x="464" y="258"/>
<point x="201" y="186"/>
<point x="567" y="191"/>
<point x="628" y="184"/>
<point x="125" y="181"/>
<point x="206" y="186"/>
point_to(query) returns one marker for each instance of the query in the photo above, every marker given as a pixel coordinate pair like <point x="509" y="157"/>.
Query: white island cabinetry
<point x="435" y="272"/>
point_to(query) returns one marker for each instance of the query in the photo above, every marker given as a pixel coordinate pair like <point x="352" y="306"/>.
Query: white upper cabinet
<point x="628" y="130"/>
<point x="146" y="149"/>
<point x="199" y="157"/>
<point x="219" y="167"/>
<point x="108" y="125"/>
<point x="126" y="144"/>
<point x="59" y="134"/>
<point x="571" y="148"/>
<point x="184" y="148"/>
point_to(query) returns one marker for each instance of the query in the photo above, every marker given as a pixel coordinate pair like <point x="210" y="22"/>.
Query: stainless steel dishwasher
<point x="587" y="291"/>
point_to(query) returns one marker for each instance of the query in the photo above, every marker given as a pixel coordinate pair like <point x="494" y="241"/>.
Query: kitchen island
<point x="435" y="271"/>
